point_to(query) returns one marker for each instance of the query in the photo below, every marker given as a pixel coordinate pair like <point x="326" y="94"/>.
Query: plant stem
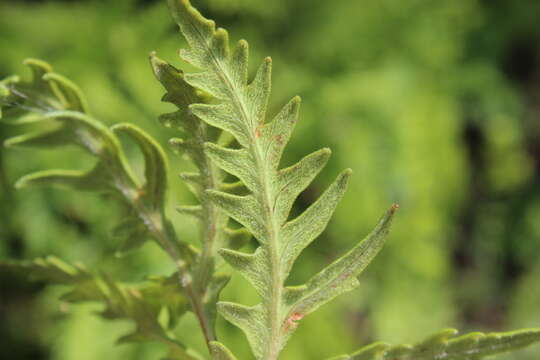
<point x="166" y="236"/>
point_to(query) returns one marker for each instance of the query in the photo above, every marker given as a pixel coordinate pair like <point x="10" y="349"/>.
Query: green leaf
<point x="194" y="181"/>
<point x="240" y="109"/>
<point x="82" y="130"/>
<point x="71" y="96"/>
<point x="192" y="210"/>
<point x="49" y="138"/>
<point x="300" y="232"/>
<point x="141" y="303"/>
<point x="237" y="238"/>
<point x="155" y="162"/>
<point x="131" y="233"/>
<point x="211" y="218"/>
<point x="51" y="98"/>
<point x="179" y="93"/>
<point x="277" y="133"/>
<point x="39" y="68"/>
<point x="250" y="319"/>
<point x="93" y="180"/>
<point x="296" y="178"/>
<point x="446" y="346"/>
<point x="253" y="267"/>
<point x="236" y="162"/>
<point x="340" y="276"/>
<point x="244" y="209"/>
<point x="220" y="351"/>
<point x="223" y="117"/>
<point x="35" y="97"/>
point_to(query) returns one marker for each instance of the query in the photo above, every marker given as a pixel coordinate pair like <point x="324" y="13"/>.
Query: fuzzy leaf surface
<point x="220" y="352"/>
<point x="240" y="108"/>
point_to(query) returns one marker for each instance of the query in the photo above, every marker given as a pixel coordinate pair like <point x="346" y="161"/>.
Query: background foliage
<point x="434" y="105"/>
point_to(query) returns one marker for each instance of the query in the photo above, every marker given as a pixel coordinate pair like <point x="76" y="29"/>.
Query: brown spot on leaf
<point x="291" y="322"/>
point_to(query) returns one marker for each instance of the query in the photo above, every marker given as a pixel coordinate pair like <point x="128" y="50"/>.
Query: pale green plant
<point x="237" y="153"/>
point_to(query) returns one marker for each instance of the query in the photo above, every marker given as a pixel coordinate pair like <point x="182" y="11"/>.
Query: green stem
<point x="166" y="236"/>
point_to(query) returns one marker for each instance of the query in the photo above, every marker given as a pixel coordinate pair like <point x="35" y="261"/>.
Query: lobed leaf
<point x="223" y="117"/>
<point x="55" y="100"/>
<point x="253" y="267"/>
<point x="446" y="346"/>
<point x="155" y="162"/>
<point x="251" y="320"/>
<point x="193" y="105"/>
<point x="131" y="233"/>
<point x="300" y="232"/>
<point x="263" y="209"/>
<point x="340" y="276"/>
<point x="68" y="92"/>
<point x="236" y="162"/>
<point x="277" y="133"/>
<point x="141" y="303"/>
<point x="94" y="180"/>
<point x="244" y="209"/>
<point x="295" y="179"/>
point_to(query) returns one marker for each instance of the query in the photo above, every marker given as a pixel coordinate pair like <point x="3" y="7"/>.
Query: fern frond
<point x="140" y="303"/>
<point x="446" y="346"/>
<point x="57" y="102"/>
<point x="240" y="109"/>
<point x="51" y="99"/>
<point x="213" y="221"/>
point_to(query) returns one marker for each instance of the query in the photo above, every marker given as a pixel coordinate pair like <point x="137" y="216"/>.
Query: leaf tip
<point x="9" y="142"/>
<point x="154" y="60"/>
<point x="343" y="178"/>
<point x="21" y="183"/>
<point x="37" y="63"/>
<point x="243" y="44"/>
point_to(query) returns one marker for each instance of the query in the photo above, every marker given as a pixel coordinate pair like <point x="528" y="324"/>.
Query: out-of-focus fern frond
<point x="140" y="303"/>
<point x="446" y="346"/>
<point x="59" y="104"/>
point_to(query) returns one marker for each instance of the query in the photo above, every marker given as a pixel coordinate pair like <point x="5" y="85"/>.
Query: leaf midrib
<point x="277" y="285"/>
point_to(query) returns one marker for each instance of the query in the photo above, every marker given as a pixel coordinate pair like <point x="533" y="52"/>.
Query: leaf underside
<point x="239" y="108"/>
<point x="225" y="119"/>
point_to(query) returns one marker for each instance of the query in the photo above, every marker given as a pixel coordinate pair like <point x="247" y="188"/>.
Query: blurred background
<point x="433" y="104"/>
